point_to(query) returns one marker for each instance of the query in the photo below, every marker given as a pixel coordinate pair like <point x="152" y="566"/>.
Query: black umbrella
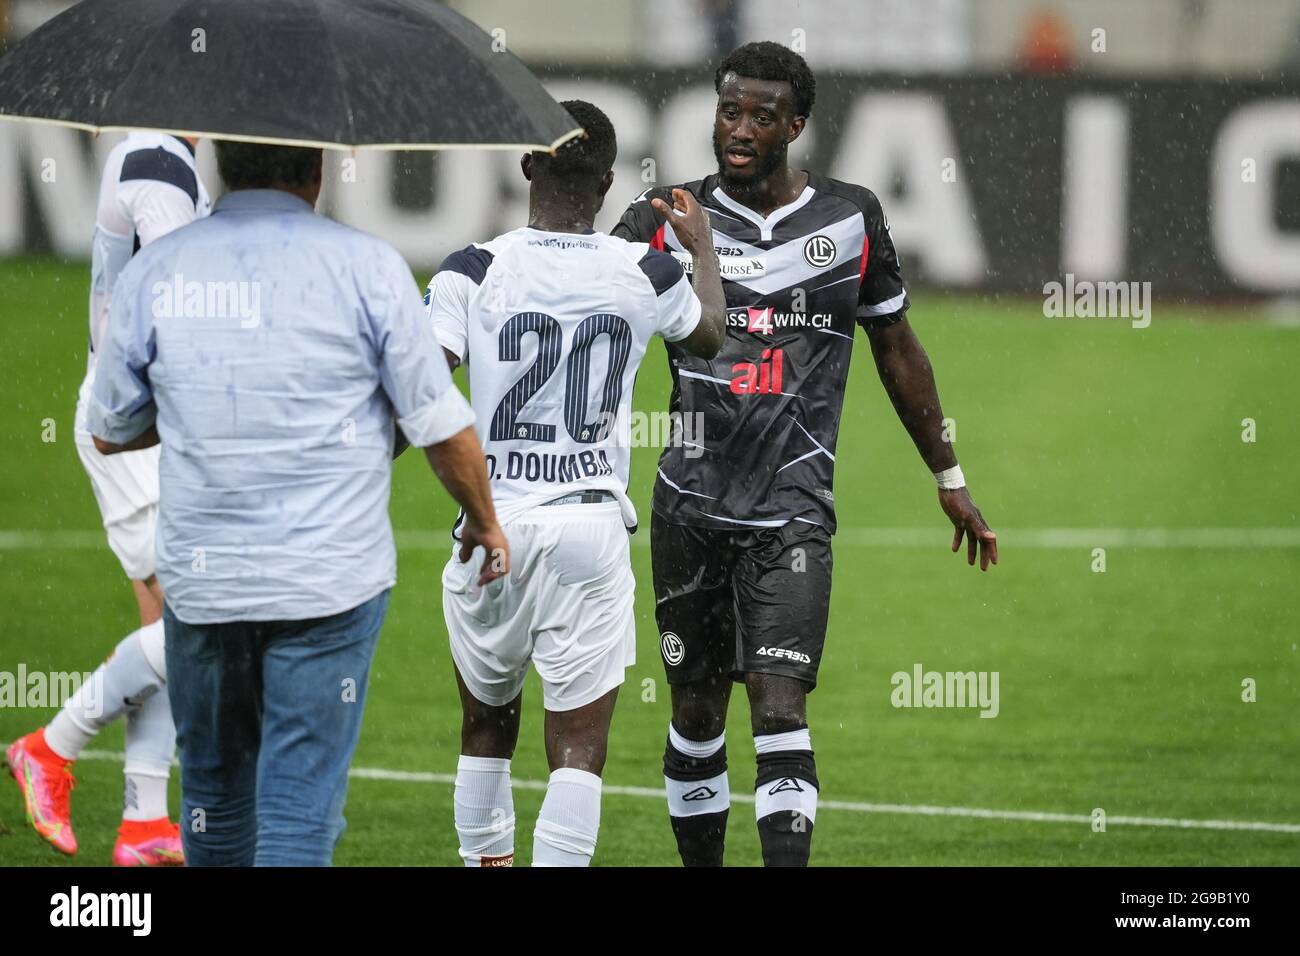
<point x="396" y="74"/>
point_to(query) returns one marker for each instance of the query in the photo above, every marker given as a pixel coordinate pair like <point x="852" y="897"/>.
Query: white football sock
<point x="485" y="811"/>
<point x="122" y="682"/>
<point x="150" y="746"/>
<point x="569" y="819"/>
<point x="146" y="797"/>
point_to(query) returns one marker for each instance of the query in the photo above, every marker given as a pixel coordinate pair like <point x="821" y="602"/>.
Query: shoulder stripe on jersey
<point x="866" y="248"/>
<point x="657" y="240"/>
<point x="160" y="165"/>
<point x="661" y="269"/>
<point x="471" y="262"/>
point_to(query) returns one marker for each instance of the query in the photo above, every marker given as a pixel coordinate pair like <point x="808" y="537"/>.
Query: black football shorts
<point x="751" y="601"/>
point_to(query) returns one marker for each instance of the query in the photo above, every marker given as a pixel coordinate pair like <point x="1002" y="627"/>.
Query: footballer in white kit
<point x="149" y="187"/>
<point x="553" y="320"/>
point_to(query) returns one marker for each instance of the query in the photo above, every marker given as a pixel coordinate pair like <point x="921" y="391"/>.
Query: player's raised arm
<point x="691" y="224"/>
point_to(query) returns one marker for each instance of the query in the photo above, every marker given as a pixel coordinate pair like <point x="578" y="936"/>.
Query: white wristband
<point x="951" y="478"/>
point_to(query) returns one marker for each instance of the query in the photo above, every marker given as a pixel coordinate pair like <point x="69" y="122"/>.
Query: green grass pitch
<point x="1119" y="690"/>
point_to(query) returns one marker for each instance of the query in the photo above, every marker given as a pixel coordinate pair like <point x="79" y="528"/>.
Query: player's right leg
<point x="585" y="626"/>
<point x="130" y="683"/>
<point x="694" y="611"/>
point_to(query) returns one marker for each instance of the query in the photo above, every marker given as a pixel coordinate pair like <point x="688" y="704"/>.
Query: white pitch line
<point x="909" y="809"/>
<point x="929" y="538"/>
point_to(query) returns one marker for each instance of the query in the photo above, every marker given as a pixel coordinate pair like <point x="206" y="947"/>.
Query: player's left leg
<point x="785" y="791"/>
<point x="782" y="588"/>
<point x="484" y="804"/>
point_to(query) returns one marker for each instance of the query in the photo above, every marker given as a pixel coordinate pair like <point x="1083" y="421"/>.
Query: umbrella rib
<point x="343" y="86"/>
<point x="144" y="49"/>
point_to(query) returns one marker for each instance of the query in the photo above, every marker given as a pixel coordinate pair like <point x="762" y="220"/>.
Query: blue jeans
<point x="267" y="717"/>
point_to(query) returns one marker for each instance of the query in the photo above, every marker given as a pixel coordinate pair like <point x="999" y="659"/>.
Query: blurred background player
<point x="150" y="186"/>
<point x="741" y="533"/>
<point x="553" y="320"/>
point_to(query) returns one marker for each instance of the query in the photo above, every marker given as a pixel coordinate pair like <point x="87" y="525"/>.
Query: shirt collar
<point x="184" y="142"/>
<point x="268" y="200"/>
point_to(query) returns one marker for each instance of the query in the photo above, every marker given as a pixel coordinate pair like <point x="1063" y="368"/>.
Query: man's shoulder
<point x="860" y="196"/>
<point x="696" y="187"/>
<point x="474" y="260"/>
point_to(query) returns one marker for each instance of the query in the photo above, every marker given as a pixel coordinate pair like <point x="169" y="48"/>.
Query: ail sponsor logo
<point x="759" y="378"/>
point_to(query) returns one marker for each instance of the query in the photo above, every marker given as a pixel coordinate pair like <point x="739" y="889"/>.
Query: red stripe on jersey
<point x="657" y="242"/>
<point x="866" y="247"/>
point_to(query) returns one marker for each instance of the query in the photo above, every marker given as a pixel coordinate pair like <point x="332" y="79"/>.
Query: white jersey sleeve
<point x="156" y="208"/>
<point x="449" y="294"/>
<point x="677" y="306"/>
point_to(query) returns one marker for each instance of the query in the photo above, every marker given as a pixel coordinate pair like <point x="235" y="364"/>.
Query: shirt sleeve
<point x="447" y="301"/>
<point x="677" y="306"/>
<point x="882" y="299"/>
<point x="640" y="223"/>
<point x="157" y="192"/>
<point x="122" y="403"/>
<point x="412" y="369"/>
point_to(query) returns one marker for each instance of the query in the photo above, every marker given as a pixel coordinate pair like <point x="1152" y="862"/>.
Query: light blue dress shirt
<point x="272" y="347"/>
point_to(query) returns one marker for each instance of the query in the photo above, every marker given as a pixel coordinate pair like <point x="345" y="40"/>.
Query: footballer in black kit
<point x="744" y="504"/>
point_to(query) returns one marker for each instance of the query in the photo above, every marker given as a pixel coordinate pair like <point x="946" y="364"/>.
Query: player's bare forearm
<point x="146" y="439"/>
<point x="713" y="301"/>
<point x="908" y="378"/>
<point x="458" y="463"/>
<point x="691" y="226"/>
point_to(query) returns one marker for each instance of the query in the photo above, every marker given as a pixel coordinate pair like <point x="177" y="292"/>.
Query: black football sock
<point x="785" y="797"/>
<point x="695" y="772"/>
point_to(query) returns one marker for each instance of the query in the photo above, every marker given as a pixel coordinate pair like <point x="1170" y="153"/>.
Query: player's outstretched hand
<point x="966" y="518"/>
<point x="493" y="541"/>
<point x="690" y="222"/>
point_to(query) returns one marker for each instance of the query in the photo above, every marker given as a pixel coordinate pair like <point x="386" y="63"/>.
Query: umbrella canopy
<point x="384" y="74"/>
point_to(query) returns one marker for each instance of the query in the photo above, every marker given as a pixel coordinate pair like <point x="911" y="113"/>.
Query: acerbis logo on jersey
<point x="672" y="648"/>
<point x="819" y="251"/>
<point x="699" y="793"/>
<point x="788" y="654"/>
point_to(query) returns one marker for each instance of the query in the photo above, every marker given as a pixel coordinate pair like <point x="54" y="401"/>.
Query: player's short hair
<point x="585" y="159"/>
<point x="261" y="166"/>
<point x="771" y="61"/>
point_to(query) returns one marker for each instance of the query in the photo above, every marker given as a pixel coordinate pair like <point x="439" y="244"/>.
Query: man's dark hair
<point x="585" y="160"/>
<point x="260" y="166"/>
<point x="771" y="61"/>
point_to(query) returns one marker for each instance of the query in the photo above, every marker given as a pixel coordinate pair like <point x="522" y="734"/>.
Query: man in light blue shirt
<point x="269" y="350"/>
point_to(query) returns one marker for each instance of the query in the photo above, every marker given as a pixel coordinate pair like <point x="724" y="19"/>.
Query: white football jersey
<point x="553" y="327"/>
<point x="150" y="186"/>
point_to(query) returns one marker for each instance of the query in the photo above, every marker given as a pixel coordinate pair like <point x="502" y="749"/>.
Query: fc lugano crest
<point x="819" y="251"/>
<point x="672" y="647"/>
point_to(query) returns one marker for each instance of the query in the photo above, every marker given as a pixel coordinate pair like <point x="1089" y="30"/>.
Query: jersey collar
<point x="766" y="223"/>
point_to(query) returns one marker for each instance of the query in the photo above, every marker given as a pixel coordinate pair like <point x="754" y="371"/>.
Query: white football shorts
<point x="566" y="605"/>
<point x="126" y="488"/>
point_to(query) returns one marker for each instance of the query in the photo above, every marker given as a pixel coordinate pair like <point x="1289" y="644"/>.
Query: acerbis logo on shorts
<point x="797" y="656"/>
<point x="672" y="647"/>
